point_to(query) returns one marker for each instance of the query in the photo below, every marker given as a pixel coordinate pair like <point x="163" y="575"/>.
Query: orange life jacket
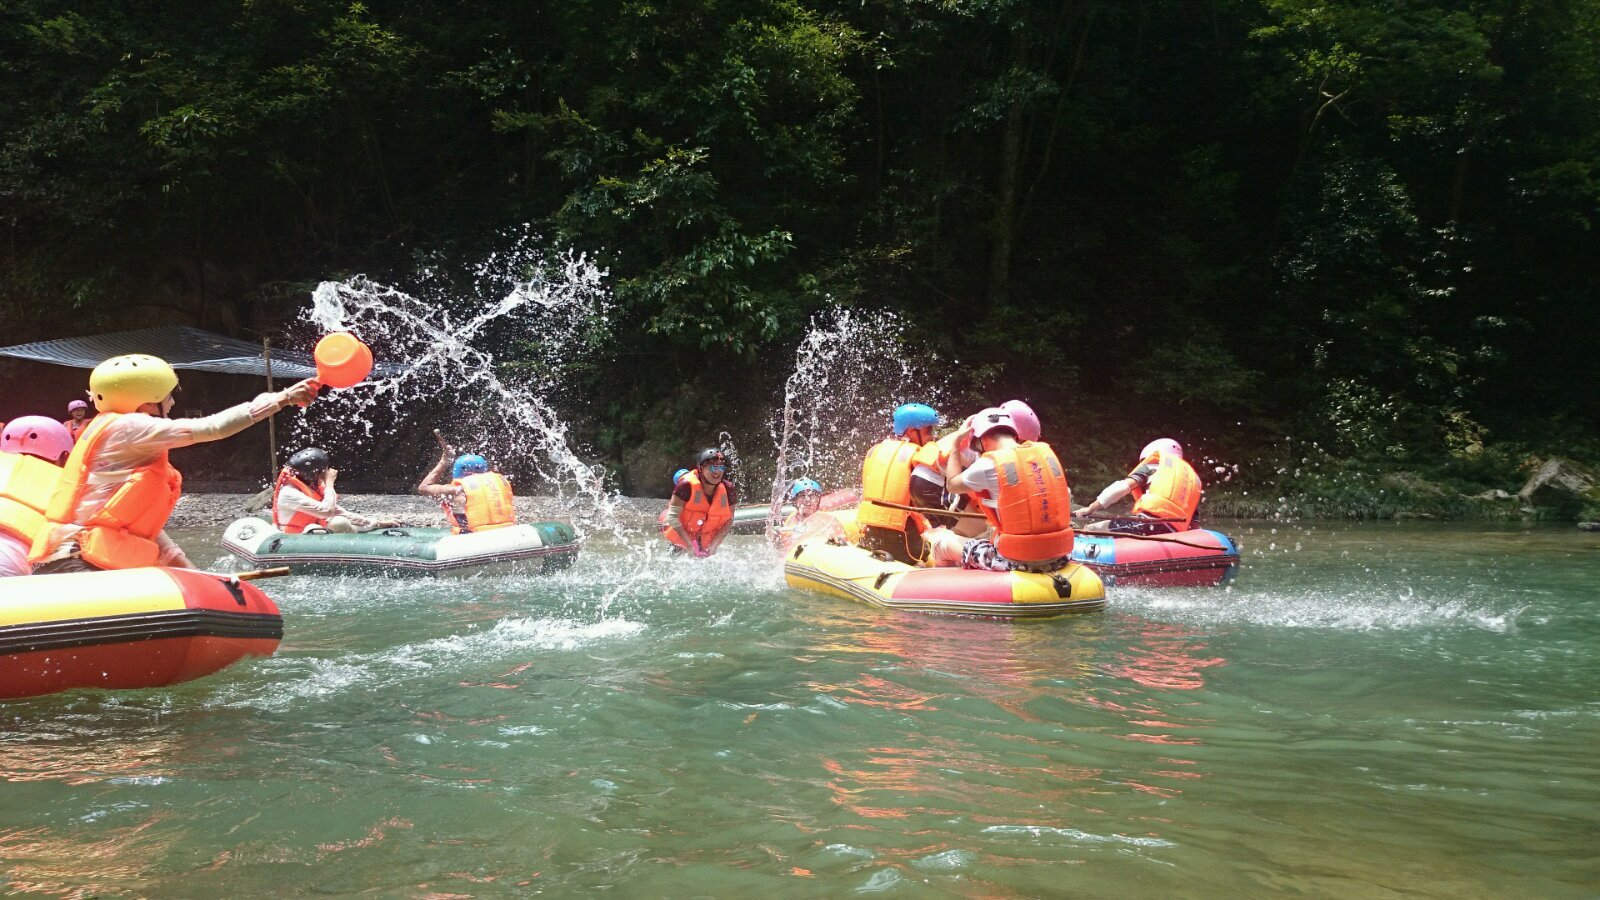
<point x="299" y="520"/>
<point x="1174" y="492"/>
<point x="934" y="454"/>
<point x="26" y="483"/>
<point x="1033" y="515"/>
<point x="490" y="503"/>
<point x="703" y="517"/>
<point x="886" y="475"/>
<point x="75" y="427"/>
<point x="122" y="535"/>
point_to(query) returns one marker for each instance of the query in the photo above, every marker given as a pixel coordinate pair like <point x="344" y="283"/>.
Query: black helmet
<point x="309" y="463"/>
<point x="708" y="454"/>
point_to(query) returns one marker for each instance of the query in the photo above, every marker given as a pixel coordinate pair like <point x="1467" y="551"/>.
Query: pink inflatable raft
<point x="1194" y="558"/>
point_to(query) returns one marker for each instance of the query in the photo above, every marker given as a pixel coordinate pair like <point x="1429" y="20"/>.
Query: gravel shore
<point x="217" y="510"/>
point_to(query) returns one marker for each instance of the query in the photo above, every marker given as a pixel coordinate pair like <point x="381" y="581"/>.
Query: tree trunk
<point x="1003" y="228"/>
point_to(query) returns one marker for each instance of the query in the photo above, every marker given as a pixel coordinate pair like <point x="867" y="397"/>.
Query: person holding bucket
<point x="117" y="489"/>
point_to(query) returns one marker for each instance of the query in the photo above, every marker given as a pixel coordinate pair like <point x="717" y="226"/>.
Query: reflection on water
<point x="695" y="727"/>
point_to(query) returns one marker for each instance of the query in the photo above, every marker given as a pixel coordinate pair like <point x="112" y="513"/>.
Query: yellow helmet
<point x="122" y="384"/>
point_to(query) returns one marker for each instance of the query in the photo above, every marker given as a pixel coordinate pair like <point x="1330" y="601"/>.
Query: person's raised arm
<point x="167" y="434"/>
<point x="953" y="466"/>
<point x="429" y="485"/>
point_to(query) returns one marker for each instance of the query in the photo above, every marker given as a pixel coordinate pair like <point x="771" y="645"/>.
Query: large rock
<point x="648" y="469"/>
<point x="1561" y="487"/>
<point x="1413" y="484"/>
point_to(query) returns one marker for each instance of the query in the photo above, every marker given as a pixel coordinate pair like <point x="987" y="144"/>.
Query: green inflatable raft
<point x="529" y="548"/>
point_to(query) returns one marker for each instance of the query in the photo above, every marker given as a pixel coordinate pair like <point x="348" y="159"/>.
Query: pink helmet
<point x="1163" y="447"/>
<point x="76" y="405"/>
<point x="1027" y="421"/>
<point x="37" y="436"/>
<point x="991" y="419"/>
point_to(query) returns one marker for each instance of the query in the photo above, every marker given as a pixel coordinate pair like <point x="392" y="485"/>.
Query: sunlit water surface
<point x="1371" y="710"/>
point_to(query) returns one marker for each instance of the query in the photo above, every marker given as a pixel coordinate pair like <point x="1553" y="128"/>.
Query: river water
<point x="1369" y="711"/>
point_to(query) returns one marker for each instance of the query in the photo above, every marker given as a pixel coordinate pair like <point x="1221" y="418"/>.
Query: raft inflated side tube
<point x="1195" y="558"/>
<point x="133" y="628"/>
<point x="526" y="546"/>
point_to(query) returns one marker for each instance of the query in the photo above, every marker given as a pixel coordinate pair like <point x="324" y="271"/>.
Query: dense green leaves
<point x="1354" y="219"/>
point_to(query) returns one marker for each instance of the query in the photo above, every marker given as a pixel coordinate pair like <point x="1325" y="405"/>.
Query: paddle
<point x="928" y="510"/>
<point x="259" y="574"/>
<point x="969" y="515"/>
<point x="1108" y="517"/>
<point x="1145" y="537"/>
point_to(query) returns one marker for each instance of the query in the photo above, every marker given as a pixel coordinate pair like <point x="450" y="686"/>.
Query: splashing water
<point x="543" y="312"/>
<point x="850" y="371"/>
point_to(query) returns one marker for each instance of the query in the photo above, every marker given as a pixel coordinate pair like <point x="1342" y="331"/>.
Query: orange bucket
<point x="342" y="360"/>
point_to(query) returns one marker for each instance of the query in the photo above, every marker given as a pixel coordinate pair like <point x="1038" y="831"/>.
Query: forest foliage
<point x="1370" y="223"/>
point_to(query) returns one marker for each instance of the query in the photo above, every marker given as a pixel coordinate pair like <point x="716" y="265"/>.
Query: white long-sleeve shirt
<point x="135" y="440"/>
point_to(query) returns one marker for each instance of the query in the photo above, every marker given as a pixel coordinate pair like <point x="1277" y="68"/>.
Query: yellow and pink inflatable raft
<point x="834" y="567"/>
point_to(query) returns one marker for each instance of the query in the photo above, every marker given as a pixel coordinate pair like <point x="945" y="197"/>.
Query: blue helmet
<point x="469" y="464"/>
<point x="803" y="485"/>
<point x="914" y="415"/>
<point x="678" y="476"/>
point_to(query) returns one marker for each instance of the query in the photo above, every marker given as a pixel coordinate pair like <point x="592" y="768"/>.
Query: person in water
<point x="886" y="483"/>
<point x="1166" y="493"/>
<point x="32" y="449"/>
<point x="475" y="498"/>
<point x="805" y="498"/>
<point x="697" y="519"/>
<point x="118" y="489"/>
<point x="304" y="498"/>
<point x="1024" y="495"/>
<point x="77" y="418"/>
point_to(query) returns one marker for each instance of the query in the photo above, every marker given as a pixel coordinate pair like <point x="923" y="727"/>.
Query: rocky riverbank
<point x="1555" y="490"/>
<point x="204" y="510"/>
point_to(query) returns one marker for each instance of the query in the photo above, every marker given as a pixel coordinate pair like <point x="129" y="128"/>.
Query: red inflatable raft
<point x="137" y="628"/>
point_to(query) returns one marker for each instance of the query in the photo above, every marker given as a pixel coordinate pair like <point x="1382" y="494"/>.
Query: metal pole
<point x="272" y="421"/>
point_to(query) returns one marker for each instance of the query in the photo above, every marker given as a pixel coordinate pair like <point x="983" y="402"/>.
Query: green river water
<point x="1369" y="711"/>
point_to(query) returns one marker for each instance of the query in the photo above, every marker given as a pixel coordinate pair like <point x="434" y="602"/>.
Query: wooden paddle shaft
<point x="1107" y="517"/>
<point x="259" y="574"/>
<point x="928" y="510"/>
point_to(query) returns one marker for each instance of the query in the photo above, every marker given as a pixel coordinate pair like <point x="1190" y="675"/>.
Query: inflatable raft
<point x="535" y="547"/>
<point x="1194" y="558"/>
<point x="752" y="519"/>
<point x="844" y="570"/>
<point x="137" y="628"/>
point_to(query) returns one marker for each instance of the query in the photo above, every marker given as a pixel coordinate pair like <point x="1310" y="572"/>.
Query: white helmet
<point x="1163" y="447"/>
